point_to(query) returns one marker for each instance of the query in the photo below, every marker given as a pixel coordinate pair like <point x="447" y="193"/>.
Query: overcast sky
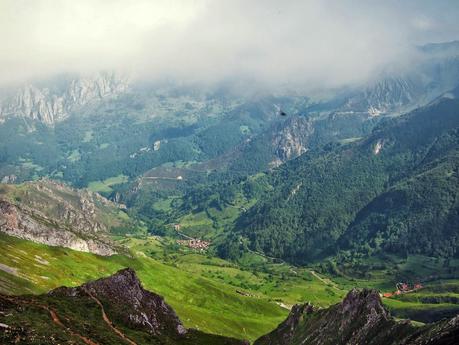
<point x="298" y="43"/>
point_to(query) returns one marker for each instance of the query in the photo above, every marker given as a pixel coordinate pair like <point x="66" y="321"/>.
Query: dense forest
<point x="394" y="191"/>
<point x="117" y="137"/>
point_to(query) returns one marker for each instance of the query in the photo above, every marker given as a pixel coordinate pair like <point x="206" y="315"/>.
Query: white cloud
<point x="298" y="43"/>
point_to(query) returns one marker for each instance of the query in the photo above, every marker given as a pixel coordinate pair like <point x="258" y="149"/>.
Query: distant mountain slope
<point x="314" y="208"/>
<point x="129" y="134"/>
<point x="432" y="72"/>
<point x="418" y="215"/>
<point x="55" y="214"/>
<point x="288" y="139"/>
<point x="112" y="310"/>
<point x="359" y="319"/>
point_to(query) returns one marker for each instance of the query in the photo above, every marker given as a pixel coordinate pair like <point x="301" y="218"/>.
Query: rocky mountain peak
<point x="142" y="308"/>
<point x="50" y="106"/>
<point x="363" y="302"/>
<point x="386" y="95"/>
<point x="359" y="319"/>
<point x="111" y="310"/>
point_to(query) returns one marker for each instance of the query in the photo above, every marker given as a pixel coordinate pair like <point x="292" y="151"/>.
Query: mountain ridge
<point x="52" y="213"/>
<point x="359" y="319"/>
<point x="51" y="106"/>
<point x="110" y="310"/>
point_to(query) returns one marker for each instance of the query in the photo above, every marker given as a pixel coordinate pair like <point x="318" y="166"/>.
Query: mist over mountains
<point x="311" y="45"/>
<point x="229" y="172"/>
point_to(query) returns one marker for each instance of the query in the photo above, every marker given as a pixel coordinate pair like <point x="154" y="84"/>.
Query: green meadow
<point x="242" y="300"/>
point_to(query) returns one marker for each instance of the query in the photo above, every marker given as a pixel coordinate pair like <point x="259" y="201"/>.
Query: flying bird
<point x="280" y="111"/>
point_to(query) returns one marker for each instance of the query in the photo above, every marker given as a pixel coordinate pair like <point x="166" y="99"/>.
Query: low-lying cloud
<point x="305" y="44"/>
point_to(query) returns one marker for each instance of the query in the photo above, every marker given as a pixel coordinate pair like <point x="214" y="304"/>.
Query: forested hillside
<point x="395" y="191"/>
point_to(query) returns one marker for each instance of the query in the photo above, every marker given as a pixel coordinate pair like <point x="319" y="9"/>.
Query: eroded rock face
<point x="360" y="319"/>
<point x="386" y="95"/>
<point x="49" y="107"/>
<point x="139" y="307"/>
<point x="19" y="223"/>
<point x="293" y="138"/>
<point x="57" y="215"/>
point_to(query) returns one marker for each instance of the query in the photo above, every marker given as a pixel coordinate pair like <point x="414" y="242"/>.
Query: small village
<point x="190" y="242"/>
<point x="402" y="288"/>
<point x="195" y="244"/>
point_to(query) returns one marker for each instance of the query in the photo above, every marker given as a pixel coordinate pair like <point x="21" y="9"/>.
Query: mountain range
<point x="56" y="104"/>
<point x="233" y="206"/>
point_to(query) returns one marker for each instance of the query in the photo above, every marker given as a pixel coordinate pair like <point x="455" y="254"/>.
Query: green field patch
<point x="28" y="164"/>
<point x="99" y="187"/>
<point x="350" y="140"/>
<point x="196" y="225"/>
<point x="423" y="312"/>
<point x="88" y="136"/>
<point x="164" y="205"/>
<point x="105" y="185"/>
<point x="244" y="129"/>
<point x="74" y="156"/>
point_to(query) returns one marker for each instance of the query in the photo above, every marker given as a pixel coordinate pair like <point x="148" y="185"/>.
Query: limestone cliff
<point x="50" y="106"/>
<point x="54" y="214"/>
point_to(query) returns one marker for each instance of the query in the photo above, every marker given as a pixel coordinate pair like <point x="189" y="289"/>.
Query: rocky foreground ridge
<point x="118" y="310"/>
<point x="359" y="319"/>
<point x="112" y="310"/>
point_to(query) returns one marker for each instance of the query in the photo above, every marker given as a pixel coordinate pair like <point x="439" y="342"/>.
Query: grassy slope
<point x="105" y="185"/>
<point x="202" y="289"/>
<point x="202" y="303"/>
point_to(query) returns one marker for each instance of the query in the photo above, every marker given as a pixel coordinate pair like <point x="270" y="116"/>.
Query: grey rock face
<point x="23" y="224"/>
<point x="56" y="215"/>
<point x="49" y="107"/>
<point x="142" y="308"/>
<point x="292" y="140"/>
<point x="402" y="92"/>
<point x="387" y="95"/>
<point x="9" y="179"/>
<point x="360" y="318"/>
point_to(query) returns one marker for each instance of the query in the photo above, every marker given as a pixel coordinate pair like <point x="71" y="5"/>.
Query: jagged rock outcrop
<point x="9" y="179"/>
<point x="142" y="308"/>
<point x="48" y="106"/>
<point x="52" y="213"/>
<point x="360" y="318"/>
<point x="291" y="140"/>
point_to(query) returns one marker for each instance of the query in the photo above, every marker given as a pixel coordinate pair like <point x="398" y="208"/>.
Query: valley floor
<point x="208" y="293"/>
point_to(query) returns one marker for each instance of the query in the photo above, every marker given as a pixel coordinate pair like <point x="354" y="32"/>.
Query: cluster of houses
<point x="402" y="288"/>
<point x="195" y="244"/>
<point x="190" y="242"/>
